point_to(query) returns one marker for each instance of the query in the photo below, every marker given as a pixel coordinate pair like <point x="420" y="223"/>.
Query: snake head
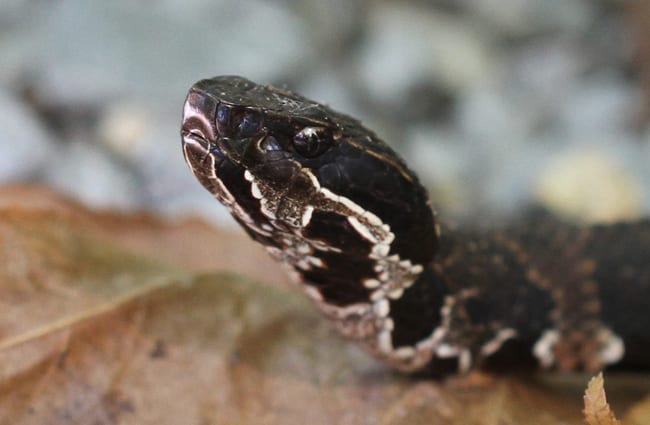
<point x="265" y="130"/>
<point x="278" y="159"/>
<point x="325" y="196"/>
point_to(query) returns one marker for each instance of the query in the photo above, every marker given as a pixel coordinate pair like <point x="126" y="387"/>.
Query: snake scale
<point x="356" y="231"/>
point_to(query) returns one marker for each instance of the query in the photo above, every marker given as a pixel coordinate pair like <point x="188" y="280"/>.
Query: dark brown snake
<point x="355" y="229"/>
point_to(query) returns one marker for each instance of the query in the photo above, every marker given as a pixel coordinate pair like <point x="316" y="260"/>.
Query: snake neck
<point x="539" y="292"/>
<point x="489" y="306"/>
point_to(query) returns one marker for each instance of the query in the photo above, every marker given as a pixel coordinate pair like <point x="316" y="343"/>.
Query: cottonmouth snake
<point x="355" y="228"/>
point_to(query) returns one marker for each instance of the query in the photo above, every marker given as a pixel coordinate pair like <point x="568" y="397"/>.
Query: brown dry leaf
<point x="189" y="243"/>
<point x="639" y="414"/>
<point x="94" y="333"/>
<point x="597" y="411"/>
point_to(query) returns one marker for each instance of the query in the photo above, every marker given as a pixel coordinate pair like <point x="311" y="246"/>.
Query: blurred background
<point x="496" y="103"/>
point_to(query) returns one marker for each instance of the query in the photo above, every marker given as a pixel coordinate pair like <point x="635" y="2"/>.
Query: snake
<point x="356" y="231"/>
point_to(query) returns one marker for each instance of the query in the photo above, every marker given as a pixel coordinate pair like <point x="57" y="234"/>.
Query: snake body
<point x="355" y="228"/>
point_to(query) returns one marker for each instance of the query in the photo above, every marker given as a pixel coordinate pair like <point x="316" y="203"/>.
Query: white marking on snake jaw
<point x="312" y="292"/>
<point x="384" y="342"/>
<point x="315" y="261"/>
<point x="372" y="219"/>
<point x="266" y="211"/>
<point x="543" y="348"/>
<point x="404" y="353"/>
<point x="377" y="295"/>
<point x="390" y="270"/>
<point x="447" y="351"/>
<point x="465" y="361"/>
<point x="353" y="209"/>
<point x="464" y="356"/>
<point x="314" y="181"/>
<point x="306" y="215"/>
<point x="304" y="248"/>
<point x="369" y="321"/>
<point x="255" y="190"/>
<point x="381" y="308"/>
<point x="223" y="195"/>
<point x="322" y="246"/>
<point x="493" y="345"/>
<point x="613" y="348"/>
<point x="371" y="283"/>
<point x="362" y="229"/>
<point x="396" y="293"/>
<point x="380" y="250"/>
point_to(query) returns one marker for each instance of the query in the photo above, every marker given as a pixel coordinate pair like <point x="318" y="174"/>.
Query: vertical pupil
<point x="307" y="141"/>
<point x="311" y="143"/>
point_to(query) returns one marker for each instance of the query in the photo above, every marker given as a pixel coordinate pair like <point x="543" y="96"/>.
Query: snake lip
<point x="199" y="153"/>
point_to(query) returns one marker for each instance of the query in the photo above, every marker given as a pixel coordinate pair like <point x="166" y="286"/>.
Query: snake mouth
<point x="199" y="135"/>
<point x="202" y="156"/>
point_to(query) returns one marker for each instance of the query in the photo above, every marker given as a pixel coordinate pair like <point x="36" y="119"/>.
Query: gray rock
<point x="595" y="182"/>
<point x="599" y="104"/>
<point x="102" y="51"/>
<point x="332" y="88"/>
<point x="508" y="185"/>
<point x="88" y="173"/>
<point x="542" y="70"/>
<point x="331" y="26"/>
<point x="491" y="115"/>
<point x="484" y="92"/>
<point x="25" y="146"/>
<point x="17" y="44"/>
<point x="443" y="163"/>
<point x="520" y="18"/>
<point x="407" y="44"/>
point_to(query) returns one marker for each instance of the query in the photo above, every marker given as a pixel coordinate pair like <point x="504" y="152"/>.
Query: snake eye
<point x="270" y="143"/>
<point x="312" y="141"/>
